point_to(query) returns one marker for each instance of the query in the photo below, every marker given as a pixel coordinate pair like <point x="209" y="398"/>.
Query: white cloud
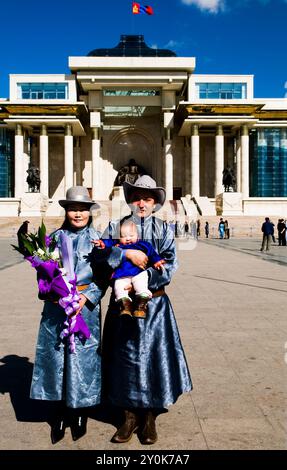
<point x="171" y="44"/>
<point x="211" y="6"/>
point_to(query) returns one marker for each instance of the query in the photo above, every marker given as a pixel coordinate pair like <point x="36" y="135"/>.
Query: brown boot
<point x="126" y="307"/>
<point x="148" y="434"/>
<point x="125" y="432"/>
<point x="141" y="306"/>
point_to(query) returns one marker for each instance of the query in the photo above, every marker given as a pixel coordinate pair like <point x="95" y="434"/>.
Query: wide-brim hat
<point x="145" y="183"/>
<point x="78" y="194"/>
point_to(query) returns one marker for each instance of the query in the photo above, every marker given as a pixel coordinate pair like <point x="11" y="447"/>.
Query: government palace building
<point x="133" y="102"/>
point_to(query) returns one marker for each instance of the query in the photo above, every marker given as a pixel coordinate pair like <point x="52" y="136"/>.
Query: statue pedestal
<point x="229" y="204"/>
<point x="118" y="193"/>
<point x="33" y="205"/>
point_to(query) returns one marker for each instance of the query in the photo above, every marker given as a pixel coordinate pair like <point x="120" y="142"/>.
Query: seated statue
<point x="129" y="173"/>
<point x="228" y="179"/>
<point x="33" y="178"/>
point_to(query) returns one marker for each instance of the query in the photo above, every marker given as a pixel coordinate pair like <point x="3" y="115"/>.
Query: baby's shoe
<point x="141" y="306"/>
<point x="126" y="307"/>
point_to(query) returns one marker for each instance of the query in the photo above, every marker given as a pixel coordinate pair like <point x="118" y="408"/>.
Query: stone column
<point x="77" y="161"/>
<point x="96" y="162"/>
<point x="69" y="170"/>
<point x="238" y="163"/>
<point x="19" y="167"/>
<point x="219" y="160"/>
<point x="245" y="161"/>
<point x="44" y="160"/>
<point x="168" y="159"/>
<point x="195" y="190"/>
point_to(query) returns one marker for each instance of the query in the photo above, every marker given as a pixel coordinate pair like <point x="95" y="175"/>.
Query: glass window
<point x="6" y="162"/>
<point x="38" y="91"/>
<point x="133" y="92"/>
<point x="221" y="90"/>
<point x="268" y="163"/>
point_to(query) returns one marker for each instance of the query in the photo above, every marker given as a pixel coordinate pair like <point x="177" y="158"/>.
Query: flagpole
<point x="133" y="19"/>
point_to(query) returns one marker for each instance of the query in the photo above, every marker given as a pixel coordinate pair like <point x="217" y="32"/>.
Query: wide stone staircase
<point x="172" y="211"/>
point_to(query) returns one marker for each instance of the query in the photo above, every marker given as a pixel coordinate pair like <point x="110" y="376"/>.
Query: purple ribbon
<point x="74" y="324"/>
<point x="53" y="285"/>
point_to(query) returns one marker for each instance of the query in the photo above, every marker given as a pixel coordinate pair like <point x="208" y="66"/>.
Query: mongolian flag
<point x="138" y="8"/>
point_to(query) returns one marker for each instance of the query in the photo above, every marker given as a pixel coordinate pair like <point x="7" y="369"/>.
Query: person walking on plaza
<point x="281" y="229"/>
<point x="198" y="228"/>
<point x="221" y="228"/>
<point x="71" y="380"/>
<point x="273" y="236"/>
<point x="268" y="230"/>
<point x="206" y="229"/>
<point x="143" y="361"/>
<point x="226" y="230"/>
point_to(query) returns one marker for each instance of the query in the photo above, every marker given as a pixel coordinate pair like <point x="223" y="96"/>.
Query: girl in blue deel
<point x="127" y="276"/>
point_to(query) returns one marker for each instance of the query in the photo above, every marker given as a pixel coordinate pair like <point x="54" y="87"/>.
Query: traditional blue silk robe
<point x="143" y="359"/>
<point x="58" y="374"/>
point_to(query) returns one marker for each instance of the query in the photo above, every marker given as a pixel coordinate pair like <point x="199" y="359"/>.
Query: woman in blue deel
<point x="71" y="381"/>
<point x="145" y="369"/>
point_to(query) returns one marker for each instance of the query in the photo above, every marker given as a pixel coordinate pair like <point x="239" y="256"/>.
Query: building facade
<point x="132" y="101"/>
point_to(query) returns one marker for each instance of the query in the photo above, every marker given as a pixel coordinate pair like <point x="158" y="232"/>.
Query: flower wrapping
<point x="56" y="278"/>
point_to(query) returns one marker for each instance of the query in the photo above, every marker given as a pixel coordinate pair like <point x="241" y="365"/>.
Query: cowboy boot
<point x="126" y="306"/>
<point x="125" y="432"/>
<point x="148" y="434"/>
<point x="141" y="306"/>
<point x="78" y="422"/>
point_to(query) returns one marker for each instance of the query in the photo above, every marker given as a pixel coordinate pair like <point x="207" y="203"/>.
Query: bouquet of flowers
<point x="56" y="277"/>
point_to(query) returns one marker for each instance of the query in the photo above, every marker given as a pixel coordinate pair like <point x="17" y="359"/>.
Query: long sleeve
<point x="93" y="293"/>
<point x="166" y="251"/>
<point x="153" y="255"/>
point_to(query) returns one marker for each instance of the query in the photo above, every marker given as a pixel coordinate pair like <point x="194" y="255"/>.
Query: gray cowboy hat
<point x="78" y="194"/>
<point x="145" y="182"/>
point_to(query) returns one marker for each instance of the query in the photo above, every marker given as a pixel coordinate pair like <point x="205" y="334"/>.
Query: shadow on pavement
<point x="15" y="379"/>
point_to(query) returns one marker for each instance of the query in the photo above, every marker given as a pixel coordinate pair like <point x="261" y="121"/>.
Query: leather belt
<point x="158" y="293"/>
<point x="82" y="287"/>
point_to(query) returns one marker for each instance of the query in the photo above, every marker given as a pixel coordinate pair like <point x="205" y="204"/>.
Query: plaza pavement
<point x="231" y="312"/>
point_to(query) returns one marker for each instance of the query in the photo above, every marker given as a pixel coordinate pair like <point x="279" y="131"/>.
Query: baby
<point x="127" y="276"/>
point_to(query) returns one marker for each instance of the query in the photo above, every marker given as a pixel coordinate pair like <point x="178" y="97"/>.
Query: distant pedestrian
<point x="226" y="229"/>
<point x="193" y="230"/>
<point x="272" y="235"/>
<point x="221" y="228"/>
<point x="186" y="228"/>
<point x="281" y="228"/>
<point x="268" y="230"/>
<point x="206" y="229"/>
<point x="198" y="228"/>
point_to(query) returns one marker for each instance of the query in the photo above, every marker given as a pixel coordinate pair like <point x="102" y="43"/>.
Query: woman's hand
<point x="137" y="257"/>
<point x="82" y="302"/>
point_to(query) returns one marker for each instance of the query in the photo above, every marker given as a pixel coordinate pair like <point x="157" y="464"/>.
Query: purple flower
<point x="48" y="241"/>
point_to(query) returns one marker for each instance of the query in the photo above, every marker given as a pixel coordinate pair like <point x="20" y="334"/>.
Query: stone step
<point x="240" y="226"/>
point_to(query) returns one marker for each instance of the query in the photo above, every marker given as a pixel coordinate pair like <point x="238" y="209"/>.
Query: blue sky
<point x="225" y="36"/>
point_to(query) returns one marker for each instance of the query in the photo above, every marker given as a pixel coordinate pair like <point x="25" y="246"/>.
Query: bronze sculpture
<point x="228" y="179"/>
<point x="33" y="178"/>
<point x="129" y="173"/>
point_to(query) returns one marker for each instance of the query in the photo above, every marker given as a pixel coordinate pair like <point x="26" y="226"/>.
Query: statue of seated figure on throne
<point x="129" y="173"/>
